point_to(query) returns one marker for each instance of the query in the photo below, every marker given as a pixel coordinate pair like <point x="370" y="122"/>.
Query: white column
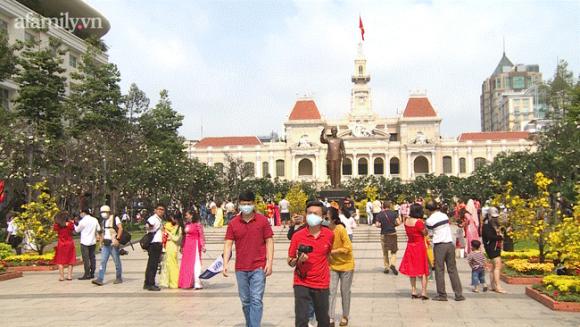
<point x="316" y="173"/>
<point x="271" y="167"/>
<point x="354" y="165"/>
<point x="469" y="162"/>
<point x="455" y="163"/>
<point x="433" y="164"/>
<point x="410" y="172"/>
<point x="388" y="165"/>
<point x="371" y="167"/>
<point x="293" y="167"/>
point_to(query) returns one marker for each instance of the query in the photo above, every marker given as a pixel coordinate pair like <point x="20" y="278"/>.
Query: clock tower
<point x="361" y="105"/>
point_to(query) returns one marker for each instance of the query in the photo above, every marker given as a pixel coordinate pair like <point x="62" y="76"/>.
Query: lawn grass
<point x="525" y="245"/>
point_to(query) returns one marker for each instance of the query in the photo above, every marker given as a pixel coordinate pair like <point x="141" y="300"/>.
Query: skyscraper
<point x="507" y="100"/>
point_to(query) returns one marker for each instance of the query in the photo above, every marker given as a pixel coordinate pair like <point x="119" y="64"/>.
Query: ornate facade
<point x="404" y="146"/>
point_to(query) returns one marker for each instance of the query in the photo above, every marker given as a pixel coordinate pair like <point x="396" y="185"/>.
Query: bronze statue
<point x="334" y="156"/>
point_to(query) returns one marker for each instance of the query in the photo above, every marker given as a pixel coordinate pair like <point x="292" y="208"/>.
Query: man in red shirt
<point x="252" y="234"/>
<point x="308" y="253"/>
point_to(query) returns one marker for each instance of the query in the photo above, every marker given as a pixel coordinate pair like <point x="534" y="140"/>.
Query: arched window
<point x="462" y="166"/>
<point x="394" y="166"/>
<point x="279" y="168"/>
<point x="479" y="162"/>
<point x="447" y="165"/>
<point x="421" y="165"/>
<point x="305" y="167"/>
<point x="249" y="169"/>
<point x="347" y="167"/>
<point x="379" y="166"/>
<point x="363" y="166"/>
<point x="265" y="169"/>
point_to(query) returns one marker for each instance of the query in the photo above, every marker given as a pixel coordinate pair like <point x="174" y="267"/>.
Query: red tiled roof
<point x="304" y="110"/>
<point x="493" y="136"/>
<point x="228" y="141"/>
<point x="419" y="107"/>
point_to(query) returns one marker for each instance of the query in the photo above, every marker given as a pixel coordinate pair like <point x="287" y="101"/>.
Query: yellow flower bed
<point x="525" y="267"/>
<point x="520" y="254"/>
<point x="564" y="284"/>
<point x="27" y="257"/>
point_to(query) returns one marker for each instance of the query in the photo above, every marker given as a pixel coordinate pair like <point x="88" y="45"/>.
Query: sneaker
<point x="84" y="278"/>
<point x="118" y="281"/>
<point x="460" y="298"/>
<point x="439" y="298"/>
<point x="153" y="288"/>
<point x="386" y="271"/>
<point x="485" y="288"/>
<point x="394" y="270"/>
<point x="97" y="282"/>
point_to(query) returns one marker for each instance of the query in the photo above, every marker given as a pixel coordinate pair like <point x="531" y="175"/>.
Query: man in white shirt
<point x="369" y="210"/>
<point x="444" y="252"/>
<point x="154" y="225"/>
<point x="12" y="236"/>
<point x="284" y="211"/>
<point x="88" y="227"/>
<point x="110" y="246"/>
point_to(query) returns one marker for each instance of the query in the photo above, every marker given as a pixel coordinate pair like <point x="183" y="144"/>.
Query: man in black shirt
<point x="387" y="220"/>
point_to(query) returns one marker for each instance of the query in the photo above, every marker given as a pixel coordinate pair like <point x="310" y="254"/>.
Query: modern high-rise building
<point x="71" y="22"/>
<point x="509" y="98"/>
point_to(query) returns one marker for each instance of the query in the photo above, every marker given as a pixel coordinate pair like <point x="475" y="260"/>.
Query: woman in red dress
<point x="64" y="253"/>
<point x="414" y="263"/>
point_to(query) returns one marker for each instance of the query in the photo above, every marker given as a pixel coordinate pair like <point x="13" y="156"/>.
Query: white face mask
<point x="104" y="215"/>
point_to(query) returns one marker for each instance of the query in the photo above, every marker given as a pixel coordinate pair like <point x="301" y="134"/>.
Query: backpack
<point x="146" y="240"/>
<point x="125" y="236"/>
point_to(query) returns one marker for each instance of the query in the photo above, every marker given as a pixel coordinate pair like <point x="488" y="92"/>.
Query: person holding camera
<point x="110" y="246"/>
<point x="309" y="253"/>
<point x="253" y="236"/>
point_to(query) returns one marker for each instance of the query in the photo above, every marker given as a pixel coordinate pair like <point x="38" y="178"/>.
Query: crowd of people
<point x="320" y="251"/>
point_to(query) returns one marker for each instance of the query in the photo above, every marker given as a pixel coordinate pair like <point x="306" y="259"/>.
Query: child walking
<point x="476" y="261"/>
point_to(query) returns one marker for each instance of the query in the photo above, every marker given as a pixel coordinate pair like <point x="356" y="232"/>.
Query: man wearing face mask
<point x="252" y="235"/>
<point x="308" y="253"/>
<point x="110" y="246"/>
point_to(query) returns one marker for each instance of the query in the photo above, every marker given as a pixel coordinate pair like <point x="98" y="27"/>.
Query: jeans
<point x="478" y="277"/>
<point x="445" y="256"/>
<point x="251" y="285"/>
<point x="210" y="219"/>
<point x="106" y="251"/>
<point x="89" y="261"/>
<point x="304" y="298"/>
<point x="345" y="279"/>
<point x="152" y="263"/>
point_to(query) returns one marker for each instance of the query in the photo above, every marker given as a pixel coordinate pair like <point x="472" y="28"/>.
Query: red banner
<point x="362" y="28"/>
<point x="2" y="194"/>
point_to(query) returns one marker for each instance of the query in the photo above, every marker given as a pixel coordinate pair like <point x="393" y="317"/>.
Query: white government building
<point x="404" y="147"/>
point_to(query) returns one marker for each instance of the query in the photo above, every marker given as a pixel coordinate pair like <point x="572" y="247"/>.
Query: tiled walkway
<point x="39" y="299"/>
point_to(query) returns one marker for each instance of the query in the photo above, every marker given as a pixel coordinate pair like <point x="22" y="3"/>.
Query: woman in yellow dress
<point x="169" y="266"/>
<point x="219" y="216"/>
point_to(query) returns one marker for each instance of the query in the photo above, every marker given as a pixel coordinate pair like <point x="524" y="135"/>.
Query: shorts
<point x="285" y="216"/>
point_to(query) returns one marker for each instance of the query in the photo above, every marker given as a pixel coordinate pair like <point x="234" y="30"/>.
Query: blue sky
<point x="239" y="66"/>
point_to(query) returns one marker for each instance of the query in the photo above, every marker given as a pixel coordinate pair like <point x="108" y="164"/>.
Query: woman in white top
<point x="348" y="221"/>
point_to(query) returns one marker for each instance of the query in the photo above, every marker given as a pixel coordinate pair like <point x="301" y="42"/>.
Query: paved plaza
<point x="39" y="299"/>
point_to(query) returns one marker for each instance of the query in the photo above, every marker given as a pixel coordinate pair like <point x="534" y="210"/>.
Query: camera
<point x="304" y="249"/>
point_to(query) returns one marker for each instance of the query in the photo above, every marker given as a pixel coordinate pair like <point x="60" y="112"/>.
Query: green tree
<point x="297" y="199"/>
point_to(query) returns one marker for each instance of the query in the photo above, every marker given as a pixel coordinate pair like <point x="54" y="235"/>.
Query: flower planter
<point x="551" y="303"/>
<point x="10" y="275"/>
<point x="37" y="268"/>
<point x="521" y="280"/>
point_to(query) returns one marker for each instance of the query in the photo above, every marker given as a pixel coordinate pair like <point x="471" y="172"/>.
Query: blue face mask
<point x="313" y="220"/>
<point x="247" y="208"/>
<point x="325" y="223"/>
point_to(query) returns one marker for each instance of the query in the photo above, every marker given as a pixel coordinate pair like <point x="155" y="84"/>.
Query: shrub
<point x="29" y="259"/>
<point x="5" y="250"/>
<point x="523" y="266"/>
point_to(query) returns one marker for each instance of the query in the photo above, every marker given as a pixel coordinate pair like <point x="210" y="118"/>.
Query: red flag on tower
<point x="362" y="28"/>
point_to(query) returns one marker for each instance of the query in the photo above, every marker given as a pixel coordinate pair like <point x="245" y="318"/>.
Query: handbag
<point x="146" y="240"/>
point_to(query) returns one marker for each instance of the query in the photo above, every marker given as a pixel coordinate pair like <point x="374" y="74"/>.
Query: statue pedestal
<point x="333" y="194"/>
